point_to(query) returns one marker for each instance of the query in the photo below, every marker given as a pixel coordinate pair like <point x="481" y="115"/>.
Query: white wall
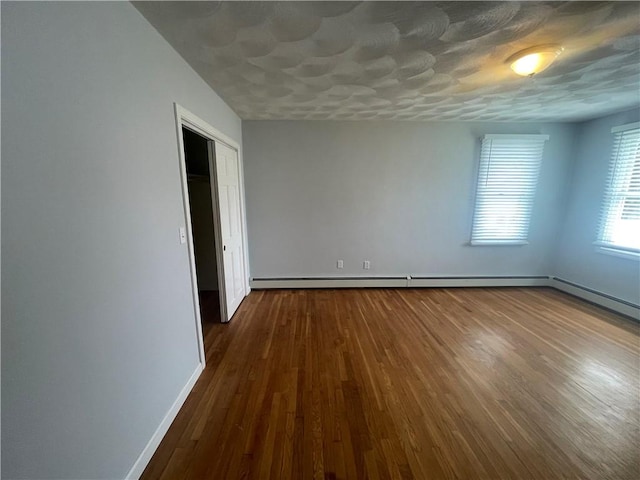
<point x="98" y="327"/>
<point x="577" y="259"/>
<point x="399" y="194"/>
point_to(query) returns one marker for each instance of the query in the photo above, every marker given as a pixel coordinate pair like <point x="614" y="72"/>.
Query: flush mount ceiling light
<point x="534" y="60"/>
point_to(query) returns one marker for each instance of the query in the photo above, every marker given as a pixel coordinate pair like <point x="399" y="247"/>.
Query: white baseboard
<point x="599" y="298"/>
<point x="398" y="282"/>
<point x="515" y="281"/>
<point x="158" y="435"/>
<point x="329" y="282"/>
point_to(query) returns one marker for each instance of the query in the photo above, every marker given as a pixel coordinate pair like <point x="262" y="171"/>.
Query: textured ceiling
<point x="407" y="60"/>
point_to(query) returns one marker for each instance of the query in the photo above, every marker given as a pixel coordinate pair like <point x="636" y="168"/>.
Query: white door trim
<point x="184" y="118"/>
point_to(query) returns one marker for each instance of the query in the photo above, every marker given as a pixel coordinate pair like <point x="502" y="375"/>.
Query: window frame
<point x="504" y="241"/>
<point x="601" y="245"/>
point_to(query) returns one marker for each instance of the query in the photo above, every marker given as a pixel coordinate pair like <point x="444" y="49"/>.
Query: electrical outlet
<point x="340" y="264"/>
<point x="366" y="265"/>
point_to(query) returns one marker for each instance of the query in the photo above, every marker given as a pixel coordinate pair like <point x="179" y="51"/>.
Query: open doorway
<point x="213" y="201"/>
<point x="196" y="154"/>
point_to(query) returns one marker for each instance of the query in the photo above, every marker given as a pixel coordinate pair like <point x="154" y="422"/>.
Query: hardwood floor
<point x="411" y="383"/>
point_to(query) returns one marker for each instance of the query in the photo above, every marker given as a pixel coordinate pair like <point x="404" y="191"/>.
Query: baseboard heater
<point x="399" y="282"/>
<point x="328" y="282"/>
<point x="602" y="299"/>
<point x="479" y="281"/>
<point x="610" y="302"/>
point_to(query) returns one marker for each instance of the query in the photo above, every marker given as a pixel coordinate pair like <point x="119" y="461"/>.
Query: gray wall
<point x="98" y="328"/>
<point x="577" y="259"/>
<point x="399" y="194"/>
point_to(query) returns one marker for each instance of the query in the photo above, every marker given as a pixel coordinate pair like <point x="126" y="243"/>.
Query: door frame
<point x="184" y="118"/>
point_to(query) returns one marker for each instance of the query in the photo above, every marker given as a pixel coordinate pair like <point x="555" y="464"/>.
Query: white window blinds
<point x="620" y="213"/>
<point x="507" y="180"/>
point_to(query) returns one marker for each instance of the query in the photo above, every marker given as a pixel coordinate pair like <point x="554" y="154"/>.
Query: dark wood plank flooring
<point x="411" y="383"/>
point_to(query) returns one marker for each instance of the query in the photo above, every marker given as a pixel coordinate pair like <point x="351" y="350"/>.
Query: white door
<point x="228" y="189"/>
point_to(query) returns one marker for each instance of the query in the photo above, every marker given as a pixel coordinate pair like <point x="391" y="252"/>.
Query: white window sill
<point x="617" y="252"/>
<point x="497" y="243"/>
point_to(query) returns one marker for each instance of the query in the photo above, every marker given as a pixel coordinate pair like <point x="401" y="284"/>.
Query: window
<point x="620" y="214"/>
<point x="507" y="180"/>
